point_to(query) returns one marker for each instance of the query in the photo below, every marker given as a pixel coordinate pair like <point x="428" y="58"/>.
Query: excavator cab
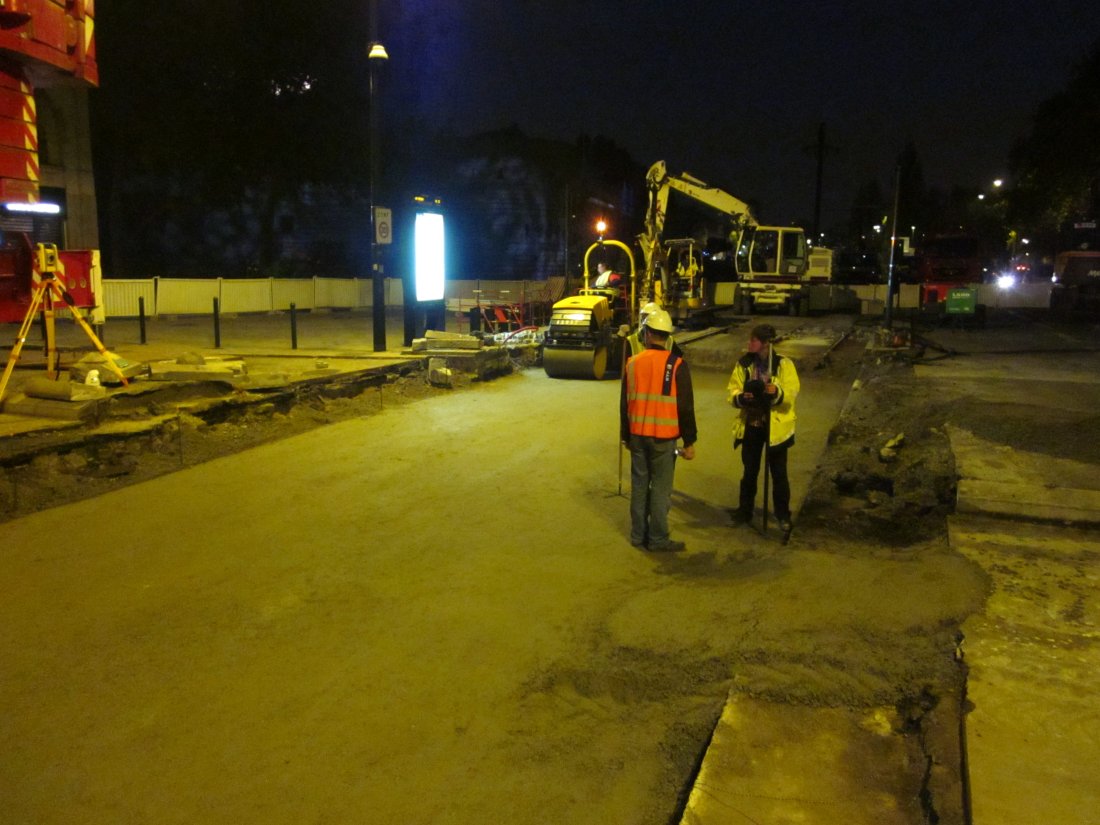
<point x="679" y="284"/>
<point x="772" y="250"/>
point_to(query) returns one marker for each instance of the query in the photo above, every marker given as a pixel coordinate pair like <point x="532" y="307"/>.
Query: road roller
<point x="583" y="339"/>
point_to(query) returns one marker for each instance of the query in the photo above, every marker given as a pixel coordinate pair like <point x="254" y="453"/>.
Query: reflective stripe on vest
<point x="651" y="394"/>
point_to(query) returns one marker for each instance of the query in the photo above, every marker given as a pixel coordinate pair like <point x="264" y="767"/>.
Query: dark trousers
<point x="752" y="449"/>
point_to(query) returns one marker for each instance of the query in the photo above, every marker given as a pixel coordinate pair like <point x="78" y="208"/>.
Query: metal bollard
<point x="217" y="326"/>
<point x="293" y="326"/>
<point x="141" y="316"/>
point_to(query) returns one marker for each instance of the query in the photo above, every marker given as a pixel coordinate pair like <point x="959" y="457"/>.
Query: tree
<point x="867" y="212"/>
<point x="1057" y="166"/>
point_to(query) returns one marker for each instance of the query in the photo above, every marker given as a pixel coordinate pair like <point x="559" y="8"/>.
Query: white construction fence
<point x="195" y="296"/>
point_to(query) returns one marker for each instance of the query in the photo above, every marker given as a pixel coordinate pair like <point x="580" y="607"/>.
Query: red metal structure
<point x="948" y="261"/>
<point x="42" y="43"/>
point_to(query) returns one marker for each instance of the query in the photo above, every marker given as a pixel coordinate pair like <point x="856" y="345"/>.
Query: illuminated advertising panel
<point x="429" y="267"/>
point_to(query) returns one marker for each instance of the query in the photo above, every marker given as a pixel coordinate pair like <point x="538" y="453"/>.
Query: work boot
<point x="785" y="524"/>
<point x="667" y="546"/>
<point x="742" y="516"/>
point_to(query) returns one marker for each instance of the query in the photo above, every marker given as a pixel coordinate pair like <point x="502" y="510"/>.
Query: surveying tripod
<point x="45" y="292"/>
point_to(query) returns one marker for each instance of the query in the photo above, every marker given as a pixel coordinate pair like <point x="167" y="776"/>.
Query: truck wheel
<point x="792" y="306"/>
<point x="746" y="304"/>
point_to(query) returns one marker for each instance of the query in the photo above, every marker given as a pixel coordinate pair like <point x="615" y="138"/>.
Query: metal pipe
<point x="293" y="326"/>
<point x="141" y="316"/>
<point x="893" y="246"/>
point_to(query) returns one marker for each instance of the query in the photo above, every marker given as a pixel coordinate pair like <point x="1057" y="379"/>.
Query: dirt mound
<point x="887" y="475"/>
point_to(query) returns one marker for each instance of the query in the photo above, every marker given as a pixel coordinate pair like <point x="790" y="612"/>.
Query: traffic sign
<point x="383" y="225"/>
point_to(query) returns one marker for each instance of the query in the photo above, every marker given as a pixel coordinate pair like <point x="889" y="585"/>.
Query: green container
<point x="961" y="300"/>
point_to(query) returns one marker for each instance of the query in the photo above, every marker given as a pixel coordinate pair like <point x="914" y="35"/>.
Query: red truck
<point x="1076" y="281"/>
<point x="948" y="261"/>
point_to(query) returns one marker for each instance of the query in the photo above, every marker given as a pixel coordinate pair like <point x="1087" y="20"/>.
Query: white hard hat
<point x="659" y="321"/>
<point x="646" y="311"/>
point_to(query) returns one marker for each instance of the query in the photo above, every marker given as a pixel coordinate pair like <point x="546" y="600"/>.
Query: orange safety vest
<point x="651" y="394"/>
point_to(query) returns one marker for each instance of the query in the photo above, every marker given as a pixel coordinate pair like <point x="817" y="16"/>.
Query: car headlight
<point x="1006" y="281"/>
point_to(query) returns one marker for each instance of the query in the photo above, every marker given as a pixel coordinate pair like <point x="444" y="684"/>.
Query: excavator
<point x="770" y="261"/>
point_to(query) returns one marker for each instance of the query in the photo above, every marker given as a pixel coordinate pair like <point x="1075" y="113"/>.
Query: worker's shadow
<point x="700" y="513"/>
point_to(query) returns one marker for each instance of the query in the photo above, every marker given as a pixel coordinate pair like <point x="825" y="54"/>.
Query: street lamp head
<point x="377" y="52"/>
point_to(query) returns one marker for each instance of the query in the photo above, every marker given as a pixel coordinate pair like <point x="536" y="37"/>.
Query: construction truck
<point x="771" y="261"/>
<point x="1076" y="279"/>
<point x="585" y="337"/>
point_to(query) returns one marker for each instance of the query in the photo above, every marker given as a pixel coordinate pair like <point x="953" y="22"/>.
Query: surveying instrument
<point x="46" y="292"/>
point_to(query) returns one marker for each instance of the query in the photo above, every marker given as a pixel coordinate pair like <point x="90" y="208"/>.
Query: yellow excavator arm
<point x="659" y="183"/>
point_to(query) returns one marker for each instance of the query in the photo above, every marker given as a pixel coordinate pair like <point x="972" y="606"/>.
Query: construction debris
<point x="436" y="340"/>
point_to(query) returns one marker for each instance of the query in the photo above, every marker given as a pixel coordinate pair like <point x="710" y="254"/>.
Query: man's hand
<point x="771" y="389"/>
<point x="687" y="453"/>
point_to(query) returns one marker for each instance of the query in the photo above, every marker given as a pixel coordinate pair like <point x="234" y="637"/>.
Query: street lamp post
<point x="375" y="56"/>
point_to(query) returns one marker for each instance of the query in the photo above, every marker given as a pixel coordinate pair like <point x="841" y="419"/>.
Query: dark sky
<point x="733" y="92"/>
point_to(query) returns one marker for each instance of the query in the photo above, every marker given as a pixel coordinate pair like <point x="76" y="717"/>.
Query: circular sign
<point x="383" y="226"/>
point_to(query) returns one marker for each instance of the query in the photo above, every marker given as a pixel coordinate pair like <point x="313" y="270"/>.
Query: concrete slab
<point x="1028" y="501"/>
<point x="998" y="480"/>
<point x="786" y="764"/>
<point x="1033" y="735"/>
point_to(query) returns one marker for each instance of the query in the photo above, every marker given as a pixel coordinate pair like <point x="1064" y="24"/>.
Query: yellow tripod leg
<point x="64" y="296"/>
<point x="21" y="338"/>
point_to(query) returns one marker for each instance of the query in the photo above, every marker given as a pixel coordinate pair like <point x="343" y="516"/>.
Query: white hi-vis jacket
<point x="785" y="378"/>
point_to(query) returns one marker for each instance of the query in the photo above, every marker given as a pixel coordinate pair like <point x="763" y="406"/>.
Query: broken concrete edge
<point x="62" y="438"/>
<point x="932" y="727"/>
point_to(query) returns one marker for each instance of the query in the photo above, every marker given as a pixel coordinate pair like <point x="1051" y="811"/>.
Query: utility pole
<point x="820" y="177"/>
<point x="376" y="54"/>
<point x="819" y="150"/>
<point x="893" y="247"/>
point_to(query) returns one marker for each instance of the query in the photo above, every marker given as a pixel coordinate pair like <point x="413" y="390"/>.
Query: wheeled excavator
<point x="770" y="260"/>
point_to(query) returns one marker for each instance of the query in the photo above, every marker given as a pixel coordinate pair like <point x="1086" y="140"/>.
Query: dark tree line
<point x="1057" y="166"/>
<point x="1054" y="178"/>
<point x="233" y="139"/>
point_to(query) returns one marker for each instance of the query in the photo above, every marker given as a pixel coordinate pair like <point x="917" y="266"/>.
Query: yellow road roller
<point x="583" y="340"/>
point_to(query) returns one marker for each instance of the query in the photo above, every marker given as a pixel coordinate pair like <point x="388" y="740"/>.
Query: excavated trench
<point x="887" y="482"/>
<point x="147" y="435"/>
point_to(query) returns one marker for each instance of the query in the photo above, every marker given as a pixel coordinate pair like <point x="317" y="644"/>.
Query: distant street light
<point x="376" y="55"/>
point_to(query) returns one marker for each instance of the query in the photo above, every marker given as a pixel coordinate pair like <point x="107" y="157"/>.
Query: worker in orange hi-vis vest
<point x="656" y="410"/>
